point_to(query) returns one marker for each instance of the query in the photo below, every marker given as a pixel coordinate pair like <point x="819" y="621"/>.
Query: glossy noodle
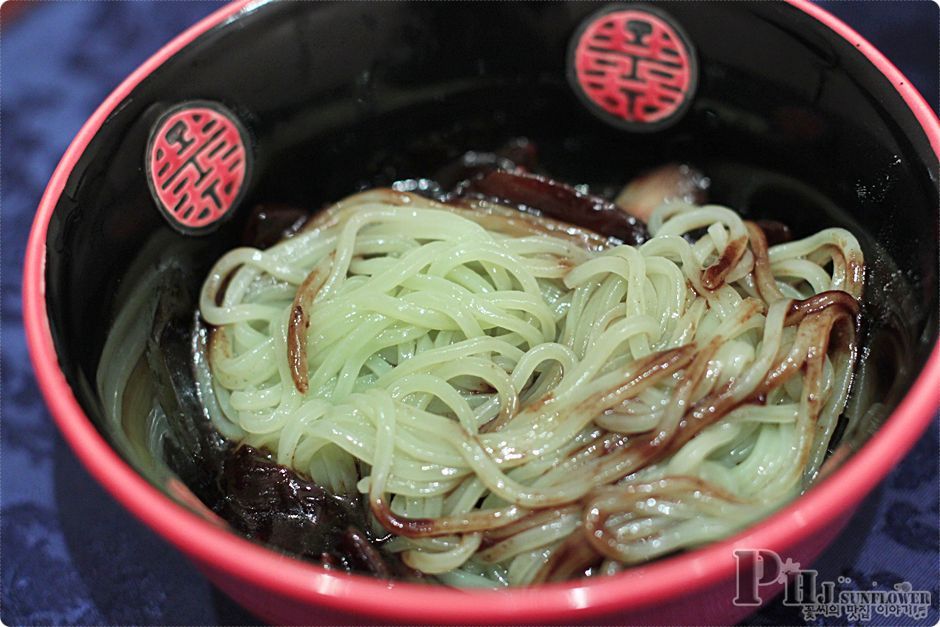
<point x="524" y="401"/>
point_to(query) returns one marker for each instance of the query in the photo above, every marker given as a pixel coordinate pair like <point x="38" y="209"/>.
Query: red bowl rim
<point x="640" y="587"/>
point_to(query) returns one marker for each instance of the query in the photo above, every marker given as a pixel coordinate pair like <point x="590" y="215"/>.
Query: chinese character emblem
<point x="197" y="164"/>
<point x="633" y="68"/>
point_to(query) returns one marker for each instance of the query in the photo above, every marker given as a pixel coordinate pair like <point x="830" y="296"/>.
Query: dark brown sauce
<point x="297" y="347"/>
<point x="714" y="275"/>
<point x="269" y="223"/>
<point x="775" y="231"/>
<point x="273" y="504"/>
<point x="544" y="196"/>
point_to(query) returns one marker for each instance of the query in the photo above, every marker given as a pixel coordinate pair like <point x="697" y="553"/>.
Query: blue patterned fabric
<point x="70" y="555"/>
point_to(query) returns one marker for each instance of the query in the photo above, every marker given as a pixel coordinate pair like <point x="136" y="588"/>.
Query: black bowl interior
<point x="790" y="121"/>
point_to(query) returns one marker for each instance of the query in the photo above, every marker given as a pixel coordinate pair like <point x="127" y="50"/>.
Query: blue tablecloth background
<point x="69" y="554"/>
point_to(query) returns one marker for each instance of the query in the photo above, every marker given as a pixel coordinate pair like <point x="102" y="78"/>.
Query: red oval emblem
<point x="197" y="164"/>
<point x="633" y="67"/>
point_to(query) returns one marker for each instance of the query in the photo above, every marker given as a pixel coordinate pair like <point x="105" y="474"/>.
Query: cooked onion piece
<point x="666" y="183"/>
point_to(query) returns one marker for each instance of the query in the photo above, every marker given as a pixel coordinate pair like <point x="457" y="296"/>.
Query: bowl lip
<point x="225" y="553"/>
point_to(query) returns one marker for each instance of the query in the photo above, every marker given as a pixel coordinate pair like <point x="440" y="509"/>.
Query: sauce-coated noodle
<point x="522" y="401"/>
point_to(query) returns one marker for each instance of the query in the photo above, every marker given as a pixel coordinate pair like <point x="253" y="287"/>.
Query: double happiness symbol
<point x="197" y="164"/>
<point x="633" y="68"/>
